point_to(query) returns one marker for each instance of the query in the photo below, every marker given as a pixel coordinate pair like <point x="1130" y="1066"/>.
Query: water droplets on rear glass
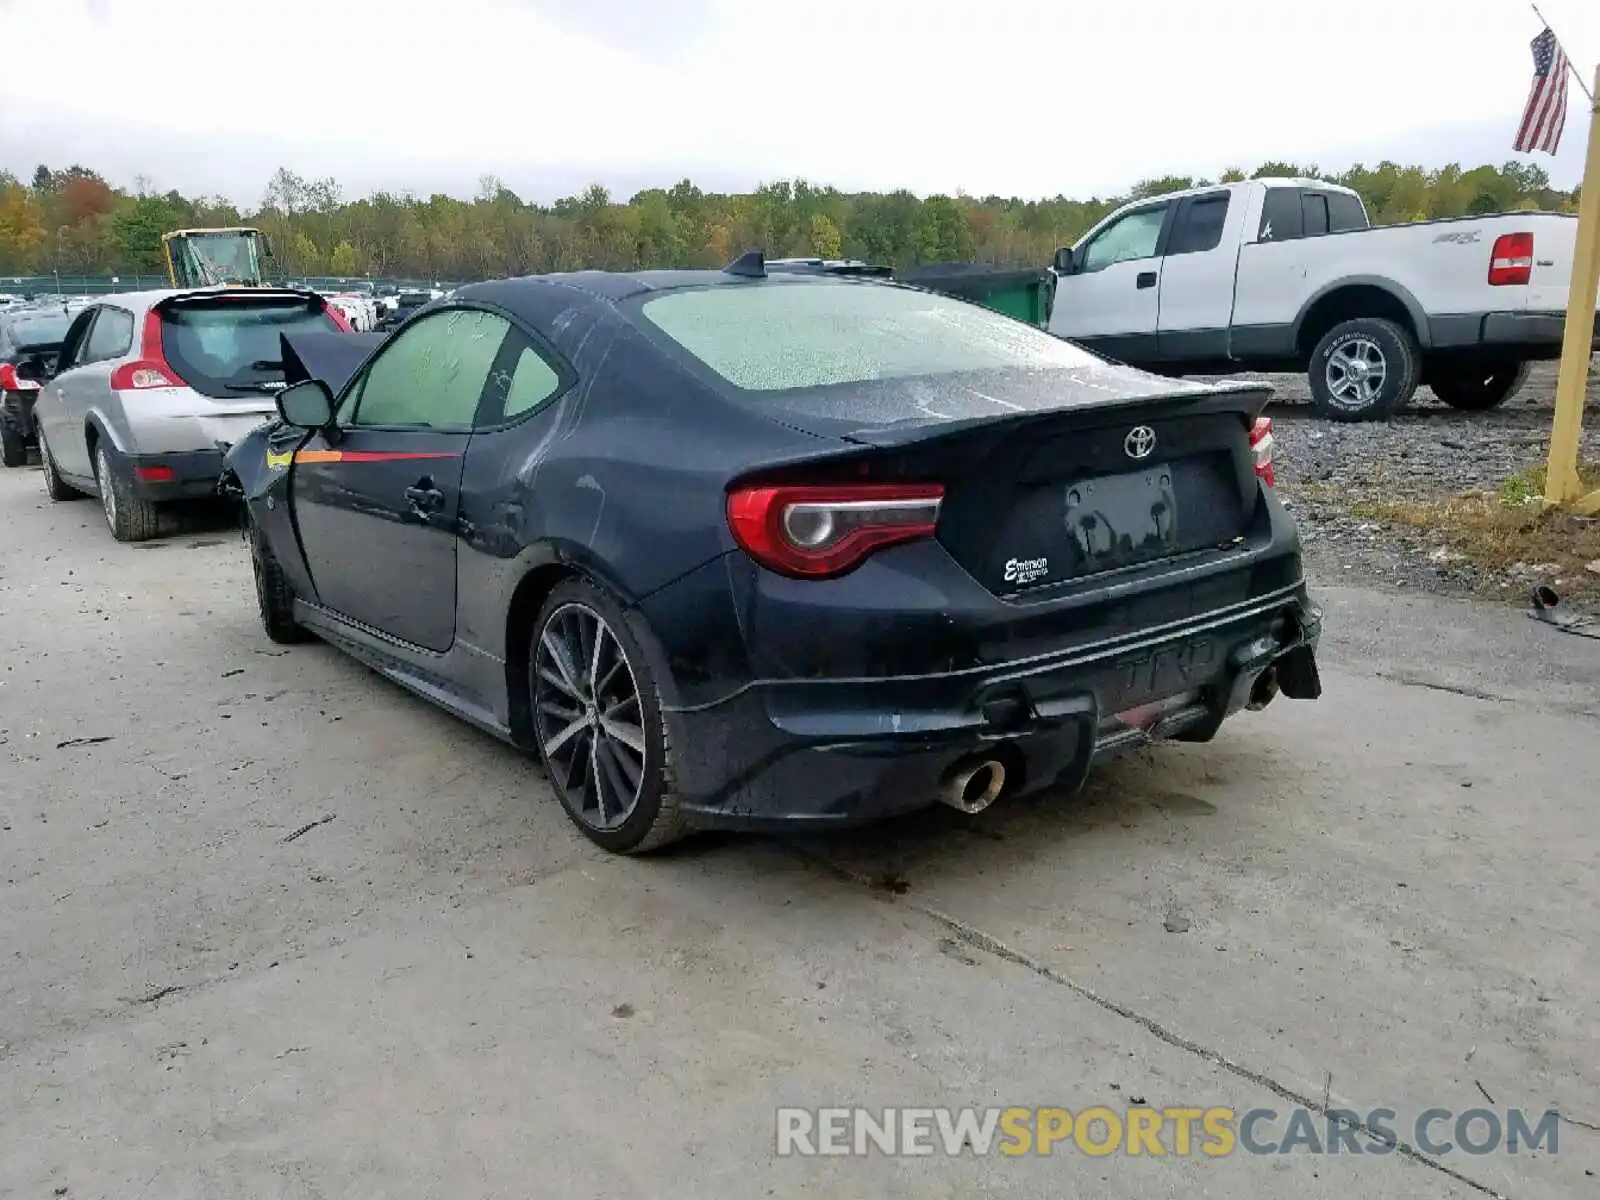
<point x="811" y="334"/>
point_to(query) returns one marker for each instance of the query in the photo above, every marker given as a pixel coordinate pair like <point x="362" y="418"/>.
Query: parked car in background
<point x="359" y="311"/>
<point x="1287" y="274"/>
<point x="795" y="551"/>
<point x="152" y="388"/>
<point x="405" y="303"/>
<point x="30" y="340"/>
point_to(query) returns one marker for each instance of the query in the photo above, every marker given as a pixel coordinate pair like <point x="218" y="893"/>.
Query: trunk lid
<point x="1048" y="479"/>
<point x="226" y="344"/>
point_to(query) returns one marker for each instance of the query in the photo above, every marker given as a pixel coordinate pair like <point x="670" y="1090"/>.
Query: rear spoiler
<point x="37" y="349"/>
<point x="331" y="357"/>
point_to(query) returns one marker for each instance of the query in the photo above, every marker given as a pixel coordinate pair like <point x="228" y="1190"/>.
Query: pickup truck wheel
<point x="1365" y="369"/>
<point x="1476" y="387"/>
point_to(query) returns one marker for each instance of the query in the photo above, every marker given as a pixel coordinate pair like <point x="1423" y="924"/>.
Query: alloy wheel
<point x="108" y="491"/>
<point x="587" y="716"/>
<point x="1356" y="373"/>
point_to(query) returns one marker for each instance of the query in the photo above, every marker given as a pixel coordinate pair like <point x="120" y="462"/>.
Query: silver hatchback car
<point x="151" y="388"/>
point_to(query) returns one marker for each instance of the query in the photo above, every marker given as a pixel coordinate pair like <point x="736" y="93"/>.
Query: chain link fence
<point x="103" y="285"/>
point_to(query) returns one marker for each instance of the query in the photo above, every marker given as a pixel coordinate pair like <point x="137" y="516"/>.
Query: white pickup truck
<point x="1289" y="275"/>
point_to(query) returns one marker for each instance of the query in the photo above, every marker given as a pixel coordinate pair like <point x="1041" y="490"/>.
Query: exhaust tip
<point x="972" y="787"/>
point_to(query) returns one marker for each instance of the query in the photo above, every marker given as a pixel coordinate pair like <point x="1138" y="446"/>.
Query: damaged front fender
<point x="260" y="460"/>
<point x="256" y="471"/>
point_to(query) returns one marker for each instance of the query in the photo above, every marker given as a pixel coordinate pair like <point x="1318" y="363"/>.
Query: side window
<point x="523" y="380"/>
<point x="1345" y="213"/>
<point x="1199" y="225"/>
<point x="111" y="337"/>
<point x="433" y="373"/>
<point x="73" y="345"/>
<point x="1314" y="213"/>
<point x="1133" y="236"/>
<point x="1280" y="216"/>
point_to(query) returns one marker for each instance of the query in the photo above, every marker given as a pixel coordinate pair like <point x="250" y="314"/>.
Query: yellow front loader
<point x="213" y="257"/>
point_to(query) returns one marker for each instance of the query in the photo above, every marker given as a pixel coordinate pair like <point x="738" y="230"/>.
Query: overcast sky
<point x="1018" y="97"/>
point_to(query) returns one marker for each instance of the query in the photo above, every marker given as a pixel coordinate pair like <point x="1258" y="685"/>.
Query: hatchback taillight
<point x="1262" y="448"/>
<point x="151" y="369"/>
<point x="10" y="381"/>
<point x="1511" y="259"/>
<point x="813" y="532"/>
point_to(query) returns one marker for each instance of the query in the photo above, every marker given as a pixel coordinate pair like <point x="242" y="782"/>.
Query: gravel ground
<point x="1428" y="452"/>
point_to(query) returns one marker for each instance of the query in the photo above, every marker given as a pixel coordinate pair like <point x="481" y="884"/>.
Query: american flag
<point x="1546" y="114"/>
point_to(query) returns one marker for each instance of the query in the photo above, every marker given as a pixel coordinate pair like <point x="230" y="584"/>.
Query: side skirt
<point x="421" y="672"/>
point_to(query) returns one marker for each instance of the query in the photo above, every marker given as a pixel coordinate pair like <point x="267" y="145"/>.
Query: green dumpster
<point x="1023" y="293"/>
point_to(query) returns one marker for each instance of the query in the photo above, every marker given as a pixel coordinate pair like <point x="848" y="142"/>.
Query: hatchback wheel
<point x="597" y="719"/>
<point x="54" y="486"/>
<point x="132" y="518"/>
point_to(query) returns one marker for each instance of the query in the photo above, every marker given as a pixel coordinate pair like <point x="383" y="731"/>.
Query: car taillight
<point x="816" y="532"/>
<point x="1511" y="260"/>
<point x="1261" y="448"/>
<point x="10" y="381"/>
<point x="151" y="369"/>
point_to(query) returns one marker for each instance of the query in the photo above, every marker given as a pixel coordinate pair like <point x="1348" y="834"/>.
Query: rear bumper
<point x="825" y="753"/>
<point x="188" y="475"/>
<point x="1535" y="334"/>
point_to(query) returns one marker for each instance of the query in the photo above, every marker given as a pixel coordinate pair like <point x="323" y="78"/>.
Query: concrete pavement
<point x="1385" y="898"/>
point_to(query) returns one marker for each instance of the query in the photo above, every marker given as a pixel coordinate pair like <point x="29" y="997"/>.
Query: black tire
<point x="131" y="518"/>
<point x="588" y="758"/>
<point x="13" y="449"/>
<point x="54" y="486"/>
<point x="1393" y="360"/>
<point x="274" y="596"/>
<point x="1476" y="386"/>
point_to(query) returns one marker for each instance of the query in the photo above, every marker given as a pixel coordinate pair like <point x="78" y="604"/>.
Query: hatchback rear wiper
<point x="264" y="387"/>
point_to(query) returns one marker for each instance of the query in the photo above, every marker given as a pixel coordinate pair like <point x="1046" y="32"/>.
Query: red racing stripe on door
<point x="367" y="456"/>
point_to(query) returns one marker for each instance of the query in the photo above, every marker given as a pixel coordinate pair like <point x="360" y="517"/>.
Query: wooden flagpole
<point x="1563" y="487"/>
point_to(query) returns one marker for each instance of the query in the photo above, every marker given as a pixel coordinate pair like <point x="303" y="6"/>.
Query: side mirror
<point x="306" y="405"/>
<point x="1064" y="262"/>
<point x="266" y="247"/>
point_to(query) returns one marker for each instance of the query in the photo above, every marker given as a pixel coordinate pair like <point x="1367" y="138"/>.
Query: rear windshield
<point x="41" y="329"/>
<point x="772" y="336"/>
<point x="230" y="347"/>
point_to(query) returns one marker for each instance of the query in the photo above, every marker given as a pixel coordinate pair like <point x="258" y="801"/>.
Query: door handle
<point x="1146" y="279"/>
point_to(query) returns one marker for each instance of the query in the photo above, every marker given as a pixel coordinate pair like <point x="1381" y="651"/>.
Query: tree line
<point x="76" y="222"/>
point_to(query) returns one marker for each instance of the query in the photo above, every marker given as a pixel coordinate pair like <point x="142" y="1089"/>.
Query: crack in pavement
<point x="1410" y="679"/>
<point x="978" y="939"/>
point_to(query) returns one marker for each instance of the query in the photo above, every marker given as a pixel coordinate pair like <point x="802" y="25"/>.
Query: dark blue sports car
<point x="749" y="550"/>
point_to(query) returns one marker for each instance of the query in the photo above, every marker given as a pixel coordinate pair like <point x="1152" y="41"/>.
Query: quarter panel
<point x="624" y="477"/>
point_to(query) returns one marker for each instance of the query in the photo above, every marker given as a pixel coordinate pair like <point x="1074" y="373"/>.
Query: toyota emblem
<point x="1141" y="440"/>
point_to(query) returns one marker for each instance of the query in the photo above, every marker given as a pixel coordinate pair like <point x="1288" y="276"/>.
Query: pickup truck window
<point x="1313" y="213"/>
<point x="1280" y="215"/>
<point x="1345" y="213"/>
<point x="1200" y="223"/>
<point x="1133" y="236"/>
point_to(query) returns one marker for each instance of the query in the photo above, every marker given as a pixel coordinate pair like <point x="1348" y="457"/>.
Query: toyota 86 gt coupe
<point x="751" y="550"/>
